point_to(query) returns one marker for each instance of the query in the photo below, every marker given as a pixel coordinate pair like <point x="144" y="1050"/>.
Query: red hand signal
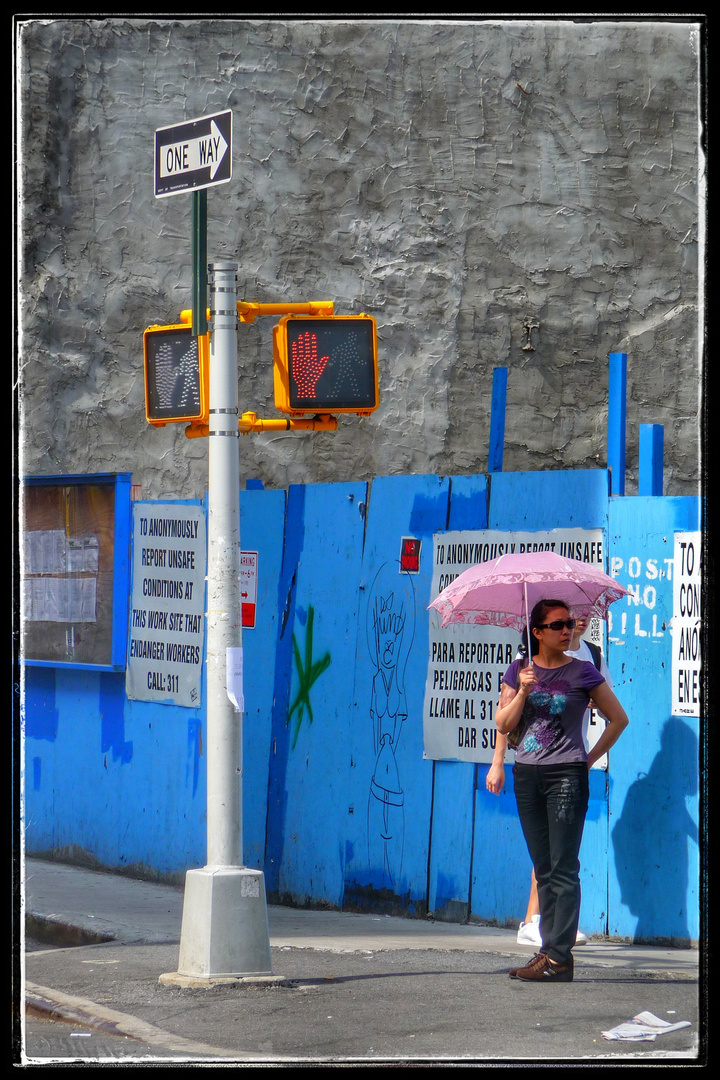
<point x="307" y="367"/>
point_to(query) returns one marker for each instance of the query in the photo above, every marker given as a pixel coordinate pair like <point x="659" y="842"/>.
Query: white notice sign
<point x="167" y="621"/>
<point x="686" y="624"/>
<point x="234" y="677"/>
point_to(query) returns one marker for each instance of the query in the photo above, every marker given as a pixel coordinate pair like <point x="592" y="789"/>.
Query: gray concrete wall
<point x="518" y="193"/>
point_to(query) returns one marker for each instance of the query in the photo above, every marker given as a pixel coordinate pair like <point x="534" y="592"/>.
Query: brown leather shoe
<point x="537" y="959"/>
<point x="542" y="969"/>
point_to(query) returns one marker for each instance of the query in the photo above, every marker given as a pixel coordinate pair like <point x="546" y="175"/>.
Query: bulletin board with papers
<point x="75" y="570"/>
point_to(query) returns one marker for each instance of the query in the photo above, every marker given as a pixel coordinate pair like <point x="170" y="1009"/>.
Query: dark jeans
<point x="552" y="802"/>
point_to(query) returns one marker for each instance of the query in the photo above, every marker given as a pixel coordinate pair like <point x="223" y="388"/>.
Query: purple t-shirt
<point x="551" y="723"/>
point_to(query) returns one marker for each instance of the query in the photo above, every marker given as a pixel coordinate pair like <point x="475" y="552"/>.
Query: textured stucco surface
<point x="521" y="194"/>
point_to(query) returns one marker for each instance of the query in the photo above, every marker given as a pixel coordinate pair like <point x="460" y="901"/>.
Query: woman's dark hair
<point x="537" y="618"/>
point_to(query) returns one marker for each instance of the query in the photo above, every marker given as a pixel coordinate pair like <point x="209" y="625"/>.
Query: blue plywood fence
<point x="340" y="808"/>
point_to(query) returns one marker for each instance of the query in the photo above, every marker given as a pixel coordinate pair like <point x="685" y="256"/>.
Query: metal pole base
<point x="224" y="925"/>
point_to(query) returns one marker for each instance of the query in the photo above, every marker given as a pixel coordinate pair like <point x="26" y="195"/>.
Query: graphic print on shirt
<point x="543" y="709"/>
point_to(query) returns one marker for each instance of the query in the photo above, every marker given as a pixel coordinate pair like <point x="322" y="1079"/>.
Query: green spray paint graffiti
<point x="308" y="674"/>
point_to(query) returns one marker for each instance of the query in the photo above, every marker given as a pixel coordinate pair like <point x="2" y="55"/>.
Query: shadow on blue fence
<point x="652" y="835"/>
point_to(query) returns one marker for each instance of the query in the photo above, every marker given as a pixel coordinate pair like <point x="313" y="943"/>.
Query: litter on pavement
<point x="643" y="1028"/>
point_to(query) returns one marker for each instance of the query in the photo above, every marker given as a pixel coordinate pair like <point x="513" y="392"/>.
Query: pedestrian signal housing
<point x="176" y="375"/>
<point x="326" y="365"/>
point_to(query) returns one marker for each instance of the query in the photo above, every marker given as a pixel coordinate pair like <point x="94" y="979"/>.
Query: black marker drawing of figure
<point x="390" y="632"/>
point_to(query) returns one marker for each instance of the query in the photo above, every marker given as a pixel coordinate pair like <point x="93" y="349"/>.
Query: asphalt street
<point x="345" y="989"/>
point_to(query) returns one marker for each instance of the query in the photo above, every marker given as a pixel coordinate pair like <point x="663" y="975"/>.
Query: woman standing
<point x="547" y="697"/>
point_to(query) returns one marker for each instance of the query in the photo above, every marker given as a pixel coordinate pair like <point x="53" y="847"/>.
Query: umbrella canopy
<point x="503" y="591"/>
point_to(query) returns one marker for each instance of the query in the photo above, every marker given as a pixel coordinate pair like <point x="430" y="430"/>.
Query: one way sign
<point x="193" y="155"/>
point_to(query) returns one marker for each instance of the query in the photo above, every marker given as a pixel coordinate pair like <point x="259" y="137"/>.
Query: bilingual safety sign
<point x="466" y="663"/>
<point x="167" y="620"/>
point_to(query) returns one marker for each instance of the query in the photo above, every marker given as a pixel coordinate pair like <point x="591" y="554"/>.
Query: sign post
<point x="194" y="156"/>
<point x="199" y="257"/>
<point x="224" y="926"/>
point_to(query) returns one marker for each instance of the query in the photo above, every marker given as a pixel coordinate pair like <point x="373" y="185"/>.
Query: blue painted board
<point x="115" y="779"/>
<point x="387" y="834"/>
<point x="277" y="796"/>
<point x="310" y="734"/>
<point x="453" y="794"/>
<point x="165" y="785"/>
<point x="548" y="500"/>
<point x="262" y="525"/>
<point x="451" y="839"/>
<point x="497" y="420"/>
<point x="617" y="421"/>
<point x="650" y="459"/>
<point x="654" y="809"/>
<point x="501" y="866"/>
<point x="468" y="507"/>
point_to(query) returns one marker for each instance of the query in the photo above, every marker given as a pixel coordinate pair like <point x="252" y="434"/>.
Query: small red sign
<point x="248" y="587"/>
<point x="410" y="555"/>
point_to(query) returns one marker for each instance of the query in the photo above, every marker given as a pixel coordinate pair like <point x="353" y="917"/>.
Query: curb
<point x="42" y="1002"/>
<point x="200" y="982"/>
<point x="51" y="930"/>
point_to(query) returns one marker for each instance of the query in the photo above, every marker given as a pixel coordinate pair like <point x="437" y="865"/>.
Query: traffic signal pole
<point x="224" y="623"/>
<point x="224" y="930"/>
<point x="224" y="926"/>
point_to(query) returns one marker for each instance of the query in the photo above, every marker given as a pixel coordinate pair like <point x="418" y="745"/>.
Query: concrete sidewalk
<point x="134" y="926"/>
<point x="103" y="906"/>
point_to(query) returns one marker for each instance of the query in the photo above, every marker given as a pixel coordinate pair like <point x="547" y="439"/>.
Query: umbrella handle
<point x="527" y="624"/>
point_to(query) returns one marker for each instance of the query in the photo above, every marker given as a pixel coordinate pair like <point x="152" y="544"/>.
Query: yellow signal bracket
<point x="197" y="431"/>
<point x="250" y="422"/>
<point x="186" y="315"/>
<point x="248" y="311"/>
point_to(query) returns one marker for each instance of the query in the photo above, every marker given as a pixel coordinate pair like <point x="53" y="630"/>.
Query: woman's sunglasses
<point x="557" y="625"/>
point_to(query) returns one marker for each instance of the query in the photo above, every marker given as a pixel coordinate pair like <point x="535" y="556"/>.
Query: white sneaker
<point x="529" y="933"/>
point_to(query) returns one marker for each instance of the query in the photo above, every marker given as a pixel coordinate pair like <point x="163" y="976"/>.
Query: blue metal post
<point x="617" y="411"/>
<point x="650" y="472"/>
<point x="497" y="419"/>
